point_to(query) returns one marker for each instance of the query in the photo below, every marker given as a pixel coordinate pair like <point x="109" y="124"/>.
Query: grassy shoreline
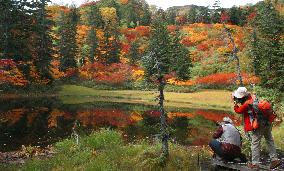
<point x="207" y="99"/>
<point x="105" y="150"/>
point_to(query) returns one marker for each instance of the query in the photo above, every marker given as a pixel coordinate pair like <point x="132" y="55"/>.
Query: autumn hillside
<point x="105" y="42"/>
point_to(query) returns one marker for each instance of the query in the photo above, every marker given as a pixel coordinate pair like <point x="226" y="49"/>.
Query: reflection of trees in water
<point x="44" y="121"/>
<point x="24" y="121"/>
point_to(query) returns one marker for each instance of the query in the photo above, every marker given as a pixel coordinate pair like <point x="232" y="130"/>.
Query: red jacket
<point x="243" y="109"/>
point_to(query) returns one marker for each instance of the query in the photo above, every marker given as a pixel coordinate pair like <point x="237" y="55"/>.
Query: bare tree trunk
<point x="234" y="54"/>
<point x="163" y="117"/>
<point x="239" y="72"/>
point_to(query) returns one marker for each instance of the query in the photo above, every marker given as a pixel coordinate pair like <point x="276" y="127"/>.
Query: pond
<point x="43" y="121"/>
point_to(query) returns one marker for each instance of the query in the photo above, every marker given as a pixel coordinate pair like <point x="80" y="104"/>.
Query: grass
<point x="206" y="99"/>
<point x="278" y="134"/>
<point x="105" y="150"/>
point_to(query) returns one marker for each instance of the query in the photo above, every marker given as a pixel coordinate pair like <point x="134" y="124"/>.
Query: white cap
<point x="228" y="120"/>
<point x="240" y="92"/>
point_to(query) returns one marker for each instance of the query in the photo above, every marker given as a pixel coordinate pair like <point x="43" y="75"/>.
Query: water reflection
<point x="45" y="121"/>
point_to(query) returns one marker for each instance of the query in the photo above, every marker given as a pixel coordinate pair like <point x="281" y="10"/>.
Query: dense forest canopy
<point x="104" y="41"/>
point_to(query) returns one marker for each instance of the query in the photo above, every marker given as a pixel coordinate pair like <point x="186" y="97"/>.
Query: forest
<point x="108" y="47"/>
<point x="105" y="41"/>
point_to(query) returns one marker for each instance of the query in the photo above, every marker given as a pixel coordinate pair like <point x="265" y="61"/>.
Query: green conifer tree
<point x="67" y="39"/>
<point x="160" y="62"/>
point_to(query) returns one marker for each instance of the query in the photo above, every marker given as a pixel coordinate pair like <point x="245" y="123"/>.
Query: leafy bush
<point x="274" y="96"/>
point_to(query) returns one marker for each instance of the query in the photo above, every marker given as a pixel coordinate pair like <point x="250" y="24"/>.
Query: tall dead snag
<point x="234" y="53"/>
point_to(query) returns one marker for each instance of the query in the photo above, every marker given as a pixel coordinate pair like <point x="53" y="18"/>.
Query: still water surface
<point x="43" y="121"/>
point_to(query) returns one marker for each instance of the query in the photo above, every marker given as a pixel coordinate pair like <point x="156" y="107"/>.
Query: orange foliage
<point x="202" y="47"/>
<point x="174" y="81"/>
<point x="54" y="11"/>
<point x="225" y="79"/>
<point x="123" y="2"/>
<point x="143" y="31"/>
<point x="116" y="73"/>
<point x="10" y="74"/>
<point x="12" y="116"/>
<point x="52" y="120"/>
<point x="55" y="69"/>
<point x="172" y="28"/>
<point x="181" y="19"/>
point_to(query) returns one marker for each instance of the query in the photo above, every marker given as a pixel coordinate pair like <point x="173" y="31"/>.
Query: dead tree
<point x="234" y="53"/>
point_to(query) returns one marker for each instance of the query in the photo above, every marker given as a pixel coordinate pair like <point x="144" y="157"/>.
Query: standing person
<point x="243" y="105"/>
<point x="226" y="141"/>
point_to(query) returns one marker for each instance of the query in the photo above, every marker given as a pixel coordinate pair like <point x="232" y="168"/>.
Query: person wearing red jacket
<point x="243" y="101"/>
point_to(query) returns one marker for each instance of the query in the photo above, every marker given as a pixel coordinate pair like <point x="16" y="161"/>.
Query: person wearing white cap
<point x="226" y="142"/>
<point x="243" y="101"/>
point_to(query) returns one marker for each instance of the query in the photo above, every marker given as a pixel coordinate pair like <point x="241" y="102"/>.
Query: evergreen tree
<point x="180" y="58"/>
<point x="204" y="15"/>
<point x="171" y="16"/>
<point x="94" y="21"/>
<point x="216" y="13"/>
<point x="67" y="39"/>
<point x="146" y="18"/>
<point x="237" y="16"/>
<point x="254" y="52"/>
<point x="161" y="60"/>
<point x="266" y="45"/>
<point x="15" y="33"/>
<point x="192" y="15"/>
<point x="43" y="42"/>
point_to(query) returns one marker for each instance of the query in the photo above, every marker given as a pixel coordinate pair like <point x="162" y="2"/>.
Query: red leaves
<point x="7" y="62"/>
<point x="143" y="31"/>
<point x="224" y="17"/>
<point x="202" y="47"/>
<point x="116" y="73"/>
<point x="125" y="48"/>
<point x="225" y="79"/>
<point x="251" y="16"/>
<point x="103" y="117"/>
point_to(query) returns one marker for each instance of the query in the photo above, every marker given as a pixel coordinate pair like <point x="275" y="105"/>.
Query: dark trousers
<point x="216" y="147"/>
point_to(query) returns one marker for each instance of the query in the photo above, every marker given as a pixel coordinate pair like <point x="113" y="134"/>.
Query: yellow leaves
<point x="174" y="81"/>
<point x="223" y="50"/>
<point x="135" y="116"/>
<point x="138" y="74"/>
<point x="56" y="74"/>
<point x="15" y="77"/>
<point x="109" y="15"/>
<point x="100" y="34"/>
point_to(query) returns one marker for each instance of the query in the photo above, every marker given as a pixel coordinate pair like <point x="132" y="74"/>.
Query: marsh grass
<point x="105" y="150"/>
<point x="209" y="99"/>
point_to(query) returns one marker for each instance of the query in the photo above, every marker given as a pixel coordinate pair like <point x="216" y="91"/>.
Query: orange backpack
<point x="263" y="112"/>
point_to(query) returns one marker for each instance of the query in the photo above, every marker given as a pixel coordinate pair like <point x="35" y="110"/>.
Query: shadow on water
<point x="43" y="121"/>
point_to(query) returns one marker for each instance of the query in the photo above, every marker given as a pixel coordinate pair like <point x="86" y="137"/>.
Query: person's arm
<point x="218" y="133"/>
<point x="241" y="109"/>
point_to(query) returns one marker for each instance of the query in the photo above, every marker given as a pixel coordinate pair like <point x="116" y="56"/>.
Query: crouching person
<point x="226" y="142"/>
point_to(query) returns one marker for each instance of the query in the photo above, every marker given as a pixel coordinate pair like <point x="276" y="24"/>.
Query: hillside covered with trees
<point x="100" y="64"/>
